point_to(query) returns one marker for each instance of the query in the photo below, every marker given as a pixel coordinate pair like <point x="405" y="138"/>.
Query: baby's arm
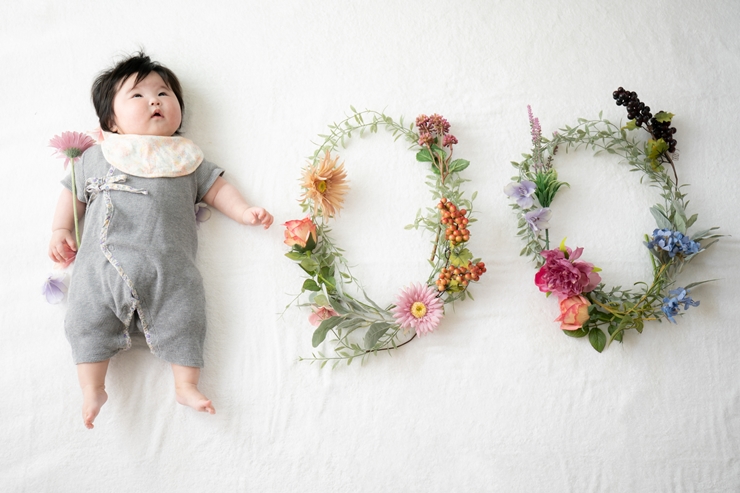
<point x="63" y="247"/>
<point x="226" y="198"/>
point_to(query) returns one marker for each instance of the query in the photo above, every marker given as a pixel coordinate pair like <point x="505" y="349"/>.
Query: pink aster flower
<point x="71" y="145"/>
<point x="320" y="313"/>
<point x="418" y="306"/>
<point x="564" y="275"/>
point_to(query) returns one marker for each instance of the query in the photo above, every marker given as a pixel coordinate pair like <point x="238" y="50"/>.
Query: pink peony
<point x="565" y="275"/>
<point x="298" y="232"/>
<point x="573" y="312"/>
<point x="71" y="145"/>
<point x="419" y="307"/>
<point x="320" y="313"/>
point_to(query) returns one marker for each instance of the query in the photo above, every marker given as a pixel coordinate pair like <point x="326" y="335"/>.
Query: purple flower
<point x="55" y="288"/>
<point x="538" y="219"/>
<point x="521" y="192"/>
<point x="534" y="123"/>
<point x="202" y="213"/>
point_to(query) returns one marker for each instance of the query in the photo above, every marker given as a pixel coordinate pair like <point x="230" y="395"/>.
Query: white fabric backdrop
<point x="497" y="399"/>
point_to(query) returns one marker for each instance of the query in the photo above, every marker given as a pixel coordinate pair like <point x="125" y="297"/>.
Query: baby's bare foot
<point x="93" y="399"/>
<point x="189" y="395"/>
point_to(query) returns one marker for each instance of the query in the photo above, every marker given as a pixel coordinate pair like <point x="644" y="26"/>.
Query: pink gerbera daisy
<point x="419" y="307"/>
<point x="71" y="145"/>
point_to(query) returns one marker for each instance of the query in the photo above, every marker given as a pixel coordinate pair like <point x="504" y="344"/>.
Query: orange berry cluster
<point x="455" y="220"/>
<point x="458" y="278"/>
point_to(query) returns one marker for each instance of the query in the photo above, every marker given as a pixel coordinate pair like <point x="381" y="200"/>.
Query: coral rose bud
<point x="573" y="312"/>
<point x="299" y="231"/>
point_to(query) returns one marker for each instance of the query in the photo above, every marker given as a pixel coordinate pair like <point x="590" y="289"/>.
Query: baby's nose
<point x="154" y="101"/>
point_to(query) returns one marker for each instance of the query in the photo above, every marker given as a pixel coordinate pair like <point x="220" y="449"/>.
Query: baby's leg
<point x="92" y="381"/>
<point x="186" y="388"/>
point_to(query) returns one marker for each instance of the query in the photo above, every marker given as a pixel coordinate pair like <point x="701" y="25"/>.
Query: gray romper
<point x="137" y="262"/>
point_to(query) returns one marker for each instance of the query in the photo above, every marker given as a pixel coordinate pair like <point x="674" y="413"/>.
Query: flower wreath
<point x="420" y="306"/>
<point x="586" y="306"/>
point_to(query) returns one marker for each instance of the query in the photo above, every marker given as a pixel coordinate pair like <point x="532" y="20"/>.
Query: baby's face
<point x="147" y="108"/>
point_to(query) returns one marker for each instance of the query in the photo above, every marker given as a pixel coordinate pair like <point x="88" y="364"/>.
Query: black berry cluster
<point x="636" y="109"/>
<point x="663" y="130"/>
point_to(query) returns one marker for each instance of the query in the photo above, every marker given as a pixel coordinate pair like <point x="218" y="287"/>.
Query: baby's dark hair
<point x="108" y="83"/>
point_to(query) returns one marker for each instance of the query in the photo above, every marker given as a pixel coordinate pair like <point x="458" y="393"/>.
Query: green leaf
<point x="679" y="220"/>
<point x="309" y="265"/>
<point x="461" y="258"/>
<point x="663" y="116"/>
<point x="620" y="334"/>
<point x="295" y="255"/>
<point x="439" y="151"/>
<point x="320" y="333"/>
<point x="660" y="219"/>
<point x="424" y="156"/>
<point x="320" y="299"/>
<point x="631" y="125"/>
<point x="310" y="285"/>
<point x="694" y="284"/>
<point x="458" y="165"/>
<point x="374" y="333"/>
<point x="690" y="222"/>
<point x="597" y="338"/>
<point x="576" y="333"/>
<point x="654" y="148"/>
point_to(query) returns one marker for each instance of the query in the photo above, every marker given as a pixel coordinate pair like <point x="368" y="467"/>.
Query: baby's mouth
<point x="157" y="114"/>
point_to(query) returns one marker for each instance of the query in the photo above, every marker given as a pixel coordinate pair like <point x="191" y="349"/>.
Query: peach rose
<point x="573" y="312"/>
<point x="299" y="231"/>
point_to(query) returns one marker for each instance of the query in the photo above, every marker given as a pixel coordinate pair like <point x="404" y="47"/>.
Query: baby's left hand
<point x="257" y="215"/>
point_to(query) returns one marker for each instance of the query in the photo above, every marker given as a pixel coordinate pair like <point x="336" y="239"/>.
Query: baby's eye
<point x="163" y="94"/>
<point x="136" y="95"/>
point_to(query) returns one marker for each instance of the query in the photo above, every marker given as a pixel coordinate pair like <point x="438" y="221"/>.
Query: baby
<point x="135" y="267"/>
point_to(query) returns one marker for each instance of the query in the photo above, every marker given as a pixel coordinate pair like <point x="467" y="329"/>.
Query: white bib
<point x="151" y="156"/>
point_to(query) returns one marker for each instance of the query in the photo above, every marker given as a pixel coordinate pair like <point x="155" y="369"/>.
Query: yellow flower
<point x="325" y="184"/>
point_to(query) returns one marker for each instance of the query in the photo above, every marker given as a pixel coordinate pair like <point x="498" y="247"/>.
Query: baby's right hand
<point x="62" y="247"/>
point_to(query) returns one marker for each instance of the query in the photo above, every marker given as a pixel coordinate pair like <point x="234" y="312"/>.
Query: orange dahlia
<point x="325" y="184"/>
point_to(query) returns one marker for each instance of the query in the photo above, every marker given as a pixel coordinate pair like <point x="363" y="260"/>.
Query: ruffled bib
<point x="151" y="156"/>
